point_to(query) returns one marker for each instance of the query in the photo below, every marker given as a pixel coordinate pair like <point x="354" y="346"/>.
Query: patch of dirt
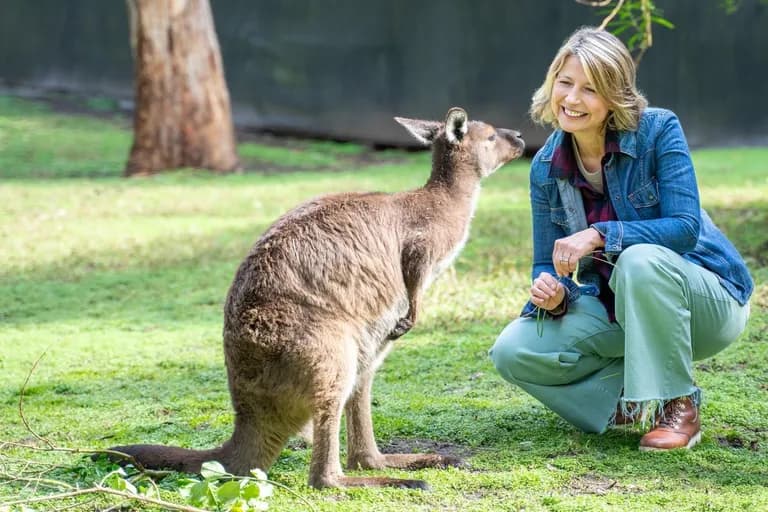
<point x="717" y="367"/>
<point x="738" y="442"/>
<point x="425" y="446"/>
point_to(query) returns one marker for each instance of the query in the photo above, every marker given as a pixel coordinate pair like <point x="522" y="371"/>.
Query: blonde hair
<point x="611" y="70"/>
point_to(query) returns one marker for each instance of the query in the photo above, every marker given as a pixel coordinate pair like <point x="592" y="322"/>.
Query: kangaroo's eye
<point x="492" y="137"/>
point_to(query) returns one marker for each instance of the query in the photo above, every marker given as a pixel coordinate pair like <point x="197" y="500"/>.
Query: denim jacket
<point x="652" y="187"/>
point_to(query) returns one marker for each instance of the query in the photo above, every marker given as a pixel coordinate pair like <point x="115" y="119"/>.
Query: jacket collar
<point x="627" y="144"/>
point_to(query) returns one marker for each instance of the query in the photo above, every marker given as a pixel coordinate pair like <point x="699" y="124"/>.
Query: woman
<point x="631" y="279"/>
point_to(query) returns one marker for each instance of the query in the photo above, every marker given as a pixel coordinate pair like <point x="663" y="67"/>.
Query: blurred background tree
<point x="182" y="115"/>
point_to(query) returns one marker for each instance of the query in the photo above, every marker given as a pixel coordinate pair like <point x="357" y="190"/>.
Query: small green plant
<point x="222" y="491"/>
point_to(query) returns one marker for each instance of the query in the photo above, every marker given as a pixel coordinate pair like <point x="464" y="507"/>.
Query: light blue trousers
<point x="669" y="313"/>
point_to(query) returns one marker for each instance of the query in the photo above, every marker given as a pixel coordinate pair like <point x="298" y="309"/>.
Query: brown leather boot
<point x="679" y="426"/>
<point x="619" y="419"/>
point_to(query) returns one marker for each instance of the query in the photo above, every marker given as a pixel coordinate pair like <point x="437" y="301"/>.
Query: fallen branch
<point x="43" y="481"/>
<point x="51" y="447"/>
<point x="103" y="490"/>
<point x="21" y="401"/>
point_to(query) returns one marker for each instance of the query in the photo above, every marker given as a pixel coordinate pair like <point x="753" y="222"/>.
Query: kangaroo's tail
<point x="152" y="456"/>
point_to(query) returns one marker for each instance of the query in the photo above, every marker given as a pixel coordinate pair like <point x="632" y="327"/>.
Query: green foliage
<point x="219" y="490"/>
<point x="122" y="282"/>
<point x="632" y="21"/>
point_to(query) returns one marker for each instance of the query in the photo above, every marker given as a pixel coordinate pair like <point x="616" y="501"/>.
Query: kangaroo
<point x="315" y="306"/>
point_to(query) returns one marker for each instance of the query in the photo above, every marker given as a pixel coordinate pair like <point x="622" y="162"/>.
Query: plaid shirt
<point x="597" y="205"/>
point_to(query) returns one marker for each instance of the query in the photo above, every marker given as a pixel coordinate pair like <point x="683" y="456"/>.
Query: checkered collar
<point x="564" y="159"/>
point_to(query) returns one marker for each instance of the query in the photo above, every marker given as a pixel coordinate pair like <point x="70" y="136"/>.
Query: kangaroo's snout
<point x="513" y="136"/>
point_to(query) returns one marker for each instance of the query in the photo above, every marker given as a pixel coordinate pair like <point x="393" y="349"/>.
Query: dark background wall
<point x="343" y="68"/>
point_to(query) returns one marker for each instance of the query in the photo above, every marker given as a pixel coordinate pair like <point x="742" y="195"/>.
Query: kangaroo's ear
<point x="456" y="125"/>
<point x="424" y="131"/>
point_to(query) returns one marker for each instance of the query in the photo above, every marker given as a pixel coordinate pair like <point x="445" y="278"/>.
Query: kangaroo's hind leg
<point x="362" y="451"/>
<point x="264" y="421"/>
<point x="334" y="382"/>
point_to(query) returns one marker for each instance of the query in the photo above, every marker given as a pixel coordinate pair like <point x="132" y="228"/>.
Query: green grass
<point x="121" y="283"/>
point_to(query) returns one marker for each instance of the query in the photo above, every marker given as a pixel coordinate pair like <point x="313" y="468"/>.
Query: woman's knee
<point x="506" y="353"/>
<point x="643" y="263"/>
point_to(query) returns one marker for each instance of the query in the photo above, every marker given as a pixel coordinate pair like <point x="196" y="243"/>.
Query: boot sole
<point x="691" y="443"/>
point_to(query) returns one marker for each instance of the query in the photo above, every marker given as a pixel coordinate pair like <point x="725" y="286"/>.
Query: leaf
<point x="251" y="491"/>
<point x="213" y="469"/>
<point x="115" y="481"/>
<point x="663" y="22"/>
<point x="199" y="493"/>
<point x="229" y="491"/>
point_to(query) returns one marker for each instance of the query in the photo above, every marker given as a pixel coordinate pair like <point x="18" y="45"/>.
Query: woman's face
<point x="575" y="103"/>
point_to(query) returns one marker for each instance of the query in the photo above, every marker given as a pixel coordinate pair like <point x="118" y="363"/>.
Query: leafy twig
<point x="612" y="15"/>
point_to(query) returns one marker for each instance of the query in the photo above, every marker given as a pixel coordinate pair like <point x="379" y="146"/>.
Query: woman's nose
<point x="571" y="98"/>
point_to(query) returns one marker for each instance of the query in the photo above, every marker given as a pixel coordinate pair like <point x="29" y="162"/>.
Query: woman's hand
<point x="570" y="249"/>
<point x="547" y="292"/>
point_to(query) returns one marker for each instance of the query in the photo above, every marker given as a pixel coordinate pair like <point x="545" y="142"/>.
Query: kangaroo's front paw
<point x="403" y="326"/>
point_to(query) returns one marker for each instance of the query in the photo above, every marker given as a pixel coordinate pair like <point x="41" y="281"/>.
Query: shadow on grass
<point x="137" y="291"/>
<point x="171" y="285"/>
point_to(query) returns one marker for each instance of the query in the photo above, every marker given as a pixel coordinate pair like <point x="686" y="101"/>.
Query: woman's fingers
<point x="544" y="290"/>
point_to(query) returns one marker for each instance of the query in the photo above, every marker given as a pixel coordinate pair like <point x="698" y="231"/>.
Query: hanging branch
<point x="613" y="14"/>
<point x="632" y="18"/>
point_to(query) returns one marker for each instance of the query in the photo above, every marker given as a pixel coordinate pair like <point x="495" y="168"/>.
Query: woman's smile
<point x="573" y="113"/>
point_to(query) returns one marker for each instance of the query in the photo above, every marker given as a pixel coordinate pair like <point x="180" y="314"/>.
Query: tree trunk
<point x="182" y="116"/>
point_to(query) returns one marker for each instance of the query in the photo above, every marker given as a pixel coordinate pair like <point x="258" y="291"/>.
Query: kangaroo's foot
<point x="403" y="326"/>
<point x="410" y="461"/>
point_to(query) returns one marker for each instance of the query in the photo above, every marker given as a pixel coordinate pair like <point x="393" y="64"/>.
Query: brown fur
<point x="315" y="305"/>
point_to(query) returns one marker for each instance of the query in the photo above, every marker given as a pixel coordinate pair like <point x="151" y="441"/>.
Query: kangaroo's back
<point x="335" y="256"/>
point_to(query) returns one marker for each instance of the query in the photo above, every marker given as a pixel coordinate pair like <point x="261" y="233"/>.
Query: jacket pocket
<point x="558" y="216"/>
<point x="645" y="196"/>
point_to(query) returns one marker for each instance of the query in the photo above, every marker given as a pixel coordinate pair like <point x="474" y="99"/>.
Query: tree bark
<point x="182" y="116"/>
